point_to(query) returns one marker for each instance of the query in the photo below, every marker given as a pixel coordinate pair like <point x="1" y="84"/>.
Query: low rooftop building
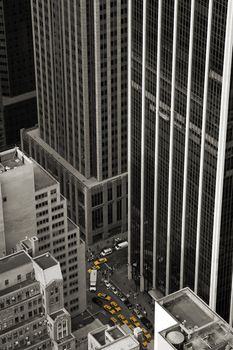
<point x="112" y="338"/>
<point x="184" y="321"/>
<point x="32" y="313"/>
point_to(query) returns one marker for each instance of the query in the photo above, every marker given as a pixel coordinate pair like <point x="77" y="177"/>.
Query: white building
<point x="34" y="213"/>
<point x="184" y="321"/>
<point x="111" y="338"/>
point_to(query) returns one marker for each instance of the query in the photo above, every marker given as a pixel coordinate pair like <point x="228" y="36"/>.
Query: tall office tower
<point x="33" y="214"/>
<point x="32" y="313"/>
<point x="81" y="75"/>
<point x="17" y="72"/>
<point x="180" y="133"/>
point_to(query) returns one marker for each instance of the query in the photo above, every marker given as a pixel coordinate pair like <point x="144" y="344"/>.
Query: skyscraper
<point x="80" y="52"/>
<point x="180" y="136"/>
<point x="17" y="71"/>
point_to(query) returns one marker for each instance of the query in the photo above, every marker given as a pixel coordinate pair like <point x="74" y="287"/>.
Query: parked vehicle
<point x="137" y="313"/>
<point x="106" y="251"/>
<point x="93" y="280"/>
<point x="121" y="245"/>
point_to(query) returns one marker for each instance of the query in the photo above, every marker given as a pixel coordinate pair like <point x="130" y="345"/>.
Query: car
<point x="133" y="319"/>
<point x="113" y="303"/>
<point x="128" y="304"/>
<point x="107" y="284"/>
<point x="97" y="301"/>
<point x="104" y="296"/>
<point x="109" y="309"/>
<point x="144" y="330"/>
<point x="113" y="320"/>
<point x="121" y="317"/>
<point x="125" y="322"/>
<point x="137" y="313"/>
<point x="147" y="336"/>
<point x="113" y="289"/>
<point x="106" y="251"/>
<point x="145" y="344"/>
<point x="123" y="299"/>
<point x="93" y="268"/>
<point x="100" y="261"/>
<point x="131" y="327"/>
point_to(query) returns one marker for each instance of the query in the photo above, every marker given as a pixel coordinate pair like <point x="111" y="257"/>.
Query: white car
<point x="107" y="284"/>
<point x="106" y="251"/>
<point x="138" y="313"/>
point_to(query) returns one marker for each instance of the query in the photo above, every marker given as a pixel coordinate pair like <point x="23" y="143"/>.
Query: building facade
<point x="81" y="80"/>
<point x="33" y="207"/>
<point x="17" y="70"/>
<point x="180" y="135"/>
<point x="32" y="314"/>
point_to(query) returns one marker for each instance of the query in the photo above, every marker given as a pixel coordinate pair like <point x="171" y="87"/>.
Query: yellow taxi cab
<point x="125" y="322"/>
<point x="121" y="317"/>
<point x="144" y="330"/>
<point x="100" y="261"/>
<point x="145" y="343"/>
<point x="116" y="306"/>
<point x="131" y="327"/>
<point x="147" y="336"/>
<point x="133" y="319"/>
<point x="114" y="320"/>
<point x="104" y="296"/>
<point x="109" y="309"/>
<point x="96" y="267"/>
<point x="89" y="270"/>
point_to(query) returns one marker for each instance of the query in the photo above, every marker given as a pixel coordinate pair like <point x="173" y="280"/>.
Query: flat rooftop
<point x="10" y="159"/>
<point x="115" y="333"/>
<point x="185" y="308"/>
<point x="90" y="182"/>
<point x="57" y="314"/>
<point x="42" y="178"/>
<point x="45" y="261"/>
<point x="14" y="261"/>
<point x="198" y="327"/>
<point x="100" y="337"/>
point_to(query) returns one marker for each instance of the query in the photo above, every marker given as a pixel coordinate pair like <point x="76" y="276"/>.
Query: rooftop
<point x="115" y="333"/>
<point x="42" y="178"/>
<point x="45" y="261"/>
<point x="14" y="261"/>
<point x="197" y="327"/>
<point x="91" y="182"/>
<point x="11" y="159"/>
<point x="100" y="336"/>
<point x="57" y="314"/>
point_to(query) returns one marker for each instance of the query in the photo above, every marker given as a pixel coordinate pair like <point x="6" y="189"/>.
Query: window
<point x="97" y="218"/>
<point x="6" y="282"/>
<point x="97" y="199"/>
<point x="119" y="210"/>
<point x="109" y="194"/>
<point x="4" y="199"/>
<point x="19" y="278"/>
<point x="119" y="190"/>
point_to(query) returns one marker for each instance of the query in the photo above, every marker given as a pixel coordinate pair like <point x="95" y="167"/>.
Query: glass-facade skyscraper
<point x="180" y="147"/>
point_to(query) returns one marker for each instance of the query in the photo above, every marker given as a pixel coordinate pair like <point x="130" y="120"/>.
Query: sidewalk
<point x="120" y="279"/>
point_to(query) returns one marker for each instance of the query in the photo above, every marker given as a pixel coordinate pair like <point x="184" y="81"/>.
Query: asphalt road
<point x="116" y="264"/>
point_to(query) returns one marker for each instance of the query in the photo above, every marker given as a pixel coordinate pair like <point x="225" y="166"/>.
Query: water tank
<point x="176" y="338"/>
